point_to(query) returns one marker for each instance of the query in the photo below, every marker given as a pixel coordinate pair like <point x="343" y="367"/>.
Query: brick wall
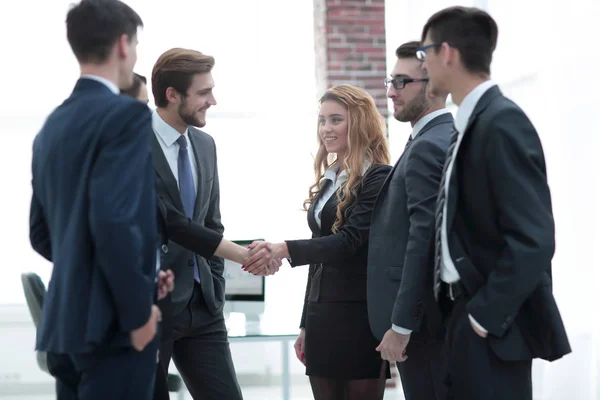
<point x="350" y="46"/>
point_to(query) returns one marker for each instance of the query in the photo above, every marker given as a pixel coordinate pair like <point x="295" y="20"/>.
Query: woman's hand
<point x="299" y="347"/>
<point x="265" y="258"/>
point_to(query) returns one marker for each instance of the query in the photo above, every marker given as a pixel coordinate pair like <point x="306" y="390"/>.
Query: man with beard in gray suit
<point x="402" y="310"/>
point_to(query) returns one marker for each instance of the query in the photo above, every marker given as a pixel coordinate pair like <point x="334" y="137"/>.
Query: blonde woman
<point x="335" y="342"/>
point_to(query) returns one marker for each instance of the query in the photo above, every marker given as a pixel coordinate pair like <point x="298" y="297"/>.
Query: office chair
<point x="35" y="290"/>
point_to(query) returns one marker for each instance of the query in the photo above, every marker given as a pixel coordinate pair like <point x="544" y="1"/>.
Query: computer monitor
<point x="244" y="292"/>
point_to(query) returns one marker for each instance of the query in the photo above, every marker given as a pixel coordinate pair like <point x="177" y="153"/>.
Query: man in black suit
<point x="93" y="214"/>
<point x="401" y="306"/>
<point x="494" y="227"/>
<point x="186" y="167"/>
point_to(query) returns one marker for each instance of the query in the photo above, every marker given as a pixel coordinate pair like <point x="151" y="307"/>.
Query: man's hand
<point x="264" y="258"/>
<point x="393" y="346"/>
<point x="142" y="336"/>
<point x="478" y="331"/>
<point x="166" y="283"/>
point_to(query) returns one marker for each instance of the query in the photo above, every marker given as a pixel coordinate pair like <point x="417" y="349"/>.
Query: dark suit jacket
<point x="93" y="215"/>
<point x="501" y="231"/>
<point x="400" y="268"/>
<point x="338" y="262"/>
<point x="187" y="233"/>
<point x="206" y="213"/>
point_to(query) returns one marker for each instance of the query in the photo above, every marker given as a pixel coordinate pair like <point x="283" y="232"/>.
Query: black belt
<point x="455" y="290"/>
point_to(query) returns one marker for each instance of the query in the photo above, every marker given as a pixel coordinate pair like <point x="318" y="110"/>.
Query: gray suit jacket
<point x="206" y="212"/>
<point x="400" y="267"/>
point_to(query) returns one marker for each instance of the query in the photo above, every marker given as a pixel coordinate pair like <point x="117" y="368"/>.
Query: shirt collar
<point x="113" y="88"/>
<point x="468" y="105"/>
<point x="166" y="132"/>
<point x="332" y="171"/>
<point x="425" y="120"/>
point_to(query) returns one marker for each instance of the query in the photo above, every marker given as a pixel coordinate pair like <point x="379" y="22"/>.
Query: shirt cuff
<point x="400" y="330"/>
<point x="481" y="328"/>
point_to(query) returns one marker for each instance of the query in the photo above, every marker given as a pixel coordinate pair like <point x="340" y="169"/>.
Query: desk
<point x="259" y="335"/>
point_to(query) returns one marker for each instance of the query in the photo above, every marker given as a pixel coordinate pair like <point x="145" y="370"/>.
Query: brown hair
<point x="366" y="145"/>
<point x="176" y="68"/>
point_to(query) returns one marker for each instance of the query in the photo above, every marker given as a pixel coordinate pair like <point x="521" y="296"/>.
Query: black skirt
<point x="339" y="343"/>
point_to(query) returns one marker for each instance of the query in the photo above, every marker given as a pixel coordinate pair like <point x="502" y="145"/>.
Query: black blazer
<point x="93" y="214"/>
<point x="338" y="262"/>
<point x="206" y="213"/>
<point x="400" y="272"/>
<point x="501" y="231"/>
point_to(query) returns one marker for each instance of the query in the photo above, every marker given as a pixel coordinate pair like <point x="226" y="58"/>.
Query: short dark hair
<point x="176" y="68"/>
<point x="94" y="26"/>
<point x="408" y="49"/>
<point x="471" y="31"/>
<point x="134" y="89"/>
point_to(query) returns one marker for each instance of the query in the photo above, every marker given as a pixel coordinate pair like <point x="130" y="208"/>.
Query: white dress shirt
<point x="419" y="125"/>
<point x="448" y="271"/>
<point x="425" y="119"/>
<point x="332" y="175"/>
<point x="167" y="138"/>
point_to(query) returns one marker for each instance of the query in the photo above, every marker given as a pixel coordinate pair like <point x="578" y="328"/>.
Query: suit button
<point x="191" y="263"/>
<point x="164" y="248"/>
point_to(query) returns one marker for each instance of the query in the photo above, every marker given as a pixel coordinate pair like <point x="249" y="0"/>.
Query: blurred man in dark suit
<point x="93" y="214"/>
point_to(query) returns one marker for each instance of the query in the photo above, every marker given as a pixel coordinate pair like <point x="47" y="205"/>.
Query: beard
<point x="189" y="116"/>
<point x="414" y="108"/>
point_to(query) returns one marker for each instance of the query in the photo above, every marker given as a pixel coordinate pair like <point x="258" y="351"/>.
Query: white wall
<point x="547" y="62"/>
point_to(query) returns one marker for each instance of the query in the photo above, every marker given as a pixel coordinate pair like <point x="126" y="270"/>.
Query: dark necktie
<point x="439" y="213"/>
<point x="408" y="142"/>
<point x="187" y="190"/>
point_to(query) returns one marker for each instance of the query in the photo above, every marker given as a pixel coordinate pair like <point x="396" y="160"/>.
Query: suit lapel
<point x="164" y="173"/>
<point x="328" y="214"/>
<point x="482" y="104"/>
<point x="196" y="150"/>
<point x="441" y="119"/>
<point x="312" y="222"/>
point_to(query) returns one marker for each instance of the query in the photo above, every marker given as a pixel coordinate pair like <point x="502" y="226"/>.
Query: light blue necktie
<point x="186" y="187"/>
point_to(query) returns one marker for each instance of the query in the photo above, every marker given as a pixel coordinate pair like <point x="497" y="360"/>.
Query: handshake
<point x="264" y="258"/>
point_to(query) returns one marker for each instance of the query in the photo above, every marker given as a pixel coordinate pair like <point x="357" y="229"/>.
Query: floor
<point x="299" y="392"/>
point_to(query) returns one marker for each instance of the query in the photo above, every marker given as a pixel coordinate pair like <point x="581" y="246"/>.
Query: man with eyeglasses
<point x="494" y="238"/>
<point x="402" y="310"/>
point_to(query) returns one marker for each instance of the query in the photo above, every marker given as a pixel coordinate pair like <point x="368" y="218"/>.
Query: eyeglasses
<point x="422" y="51"/>
<point x="399" y="83"/>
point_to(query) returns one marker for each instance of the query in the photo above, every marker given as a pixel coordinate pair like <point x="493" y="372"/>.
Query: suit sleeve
<point x="123" y="200"/>
<point x="351" y="236"/>
<point x="39" y="235"/>
<point x="189" y="233"/>
<point x="213" y="217"/>
<point x="422" y="173"/>
<point x="517" y="173"/>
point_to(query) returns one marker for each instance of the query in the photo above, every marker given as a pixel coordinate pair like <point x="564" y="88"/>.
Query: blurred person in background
<point x="93" y="215"/>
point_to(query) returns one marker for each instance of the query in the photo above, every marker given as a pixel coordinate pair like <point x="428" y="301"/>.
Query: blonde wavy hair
<point x="367" y="145"/>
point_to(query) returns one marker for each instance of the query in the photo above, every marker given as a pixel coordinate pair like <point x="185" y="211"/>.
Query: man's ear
<point x="123" y="46"/>
<point x="172" y="95"/>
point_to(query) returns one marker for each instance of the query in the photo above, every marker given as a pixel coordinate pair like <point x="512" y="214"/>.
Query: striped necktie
<point x="439" y="213"/>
